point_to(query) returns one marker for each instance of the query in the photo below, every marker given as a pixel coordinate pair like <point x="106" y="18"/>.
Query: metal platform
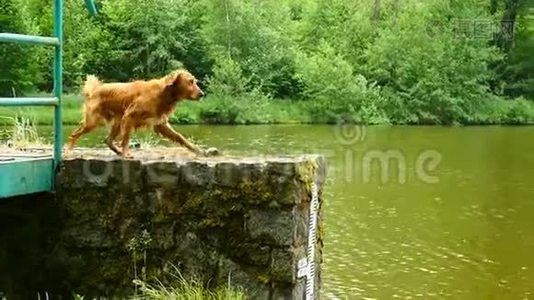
<point x="28" y="173"/>
<point x="25" y="174"/>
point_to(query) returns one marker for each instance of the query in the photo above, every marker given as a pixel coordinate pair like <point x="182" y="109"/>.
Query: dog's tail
<point x="91" y="83"/>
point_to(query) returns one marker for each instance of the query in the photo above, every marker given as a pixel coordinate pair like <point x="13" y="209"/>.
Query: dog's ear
<point x="174" y="78"/>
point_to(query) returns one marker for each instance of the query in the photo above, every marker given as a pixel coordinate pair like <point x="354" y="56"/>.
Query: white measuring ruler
<point x="306" y="266"/>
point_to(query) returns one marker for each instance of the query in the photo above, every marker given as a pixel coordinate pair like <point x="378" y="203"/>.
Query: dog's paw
<point x="68" y="152"/>
<point x="126" y="155"/>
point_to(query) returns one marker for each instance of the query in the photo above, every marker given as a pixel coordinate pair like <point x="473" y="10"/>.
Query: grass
<point x="72" y="113"/>
<point x="186" y="290"/>
<point x="181" y="289"/>
<point x="227" y="110"/>
<point x="211" y="110"/>
<point x="22" y="133"/>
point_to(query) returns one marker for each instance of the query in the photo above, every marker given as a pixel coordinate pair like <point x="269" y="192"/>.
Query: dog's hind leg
<point x="76" y="134"/>
<point x="88" y="125"/>
<point x="113" y="133"/>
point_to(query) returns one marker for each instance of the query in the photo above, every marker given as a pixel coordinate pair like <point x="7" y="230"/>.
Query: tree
<point x="15" y="65"/>
<point x="256" y="35"/>
<point x="516" y="39"/>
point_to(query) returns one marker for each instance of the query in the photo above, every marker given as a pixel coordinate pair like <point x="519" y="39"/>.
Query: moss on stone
<point x="306" y="171"/>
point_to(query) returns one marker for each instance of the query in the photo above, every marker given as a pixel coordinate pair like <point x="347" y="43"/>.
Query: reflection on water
<point x="469" y="235"/>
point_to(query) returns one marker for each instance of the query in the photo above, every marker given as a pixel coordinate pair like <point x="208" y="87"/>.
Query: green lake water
<point x="451" y="218"/>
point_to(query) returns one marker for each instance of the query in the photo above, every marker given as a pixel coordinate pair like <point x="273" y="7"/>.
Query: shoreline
<point x="215" y="112"/>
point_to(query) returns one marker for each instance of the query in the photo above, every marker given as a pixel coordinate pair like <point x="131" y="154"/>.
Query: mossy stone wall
<point x="217" y="220"/>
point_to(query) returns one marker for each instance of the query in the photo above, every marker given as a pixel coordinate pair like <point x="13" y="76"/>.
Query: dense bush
<point x="334" y="91"/>
<point x="437" y="76"/>
<point x="15" y="60"/>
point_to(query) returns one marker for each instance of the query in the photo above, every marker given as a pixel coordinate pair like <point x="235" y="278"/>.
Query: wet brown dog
<point x="128" y="106"/>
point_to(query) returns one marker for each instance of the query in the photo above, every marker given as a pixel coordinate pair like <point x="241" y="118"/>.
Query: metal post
<point x="91" y="7"/>
<point x="58" y="80"/>
<point x="27" y="39"/>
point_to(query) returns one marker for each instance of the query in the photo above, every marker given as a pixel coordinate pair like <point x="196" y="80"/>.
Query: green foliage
<point x="234" y="100"/>
<point x="228" y="79"/>
<point x="15" y="60"/>
<point x="498" y="111"/>
<point x="334" y="89"/>
<point x="185" y="289"/>
<point x="517" y="73"/>
<point x="440" y="78"/>
<point x="181" y="288"/>
<point x="23" y="132"/>
<point x="72" y="112"/>
<point x="388" y="61"/>
<point x="253" y="34"/>
<point x="146" y="38"/>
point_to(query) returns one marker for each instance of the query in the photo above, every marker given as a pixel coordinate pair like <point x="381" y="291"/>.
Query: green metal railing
<point x="57" y="42"/>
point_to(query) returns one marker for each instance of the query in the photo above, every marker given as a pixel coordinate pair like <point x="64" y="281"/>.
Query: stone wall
<point x="215" y="220"/>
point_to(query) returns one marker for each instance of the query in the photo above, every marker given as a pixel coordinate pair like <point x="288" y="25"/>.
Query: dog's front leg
<point x="167" y="131"/>
<point x="113" y="133"/>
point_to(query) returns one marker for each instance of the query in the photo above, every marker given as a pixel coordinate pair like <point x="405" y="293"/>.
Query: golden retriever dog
<point x="127" y="106"/>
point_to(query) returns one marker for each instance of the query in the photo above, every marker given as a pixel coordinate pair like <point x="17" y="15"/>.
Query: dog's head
<point x="184" y="85"/>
